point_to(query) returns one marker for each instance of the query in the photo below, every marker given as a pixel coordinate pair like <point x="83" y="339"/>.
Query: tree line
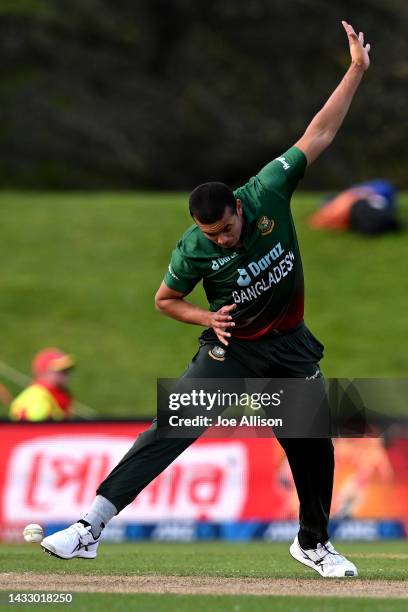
<point x="167" y="94"/>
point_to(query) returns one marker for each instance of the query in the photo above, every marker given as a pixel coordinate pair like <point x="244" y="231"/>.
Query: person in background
<point x="368" y="208"/>
<point x="48" y="397"/>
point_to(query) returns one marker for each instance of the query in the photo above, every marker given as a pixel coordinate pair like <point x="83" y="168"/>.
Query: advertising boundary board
<point x="232" y="489"/>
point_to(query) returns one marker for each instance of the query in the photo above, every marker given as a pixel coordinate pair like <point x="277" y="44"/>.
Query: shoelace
<point x="85" y="534"/>
<point x="329" y="551"/>
<point x="82" y="533"/>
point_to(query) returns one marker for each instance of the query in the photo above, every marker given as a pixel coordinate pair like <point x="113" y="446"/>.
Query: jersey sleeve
<point x="284" y="173"/>
<point x="181" y="274"/>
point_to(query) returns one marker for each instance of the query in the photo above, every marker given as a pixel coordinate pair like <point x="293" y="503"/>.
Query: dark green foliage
<point x="163" y="94"/>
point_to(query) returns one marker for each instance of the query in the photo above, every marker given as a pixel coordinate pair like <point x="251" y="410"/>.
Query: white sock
<point x="99" y="514"/>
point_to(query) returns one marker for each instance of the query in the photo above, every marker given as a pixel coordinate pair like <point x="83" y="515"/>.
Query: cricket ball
<point x="33" y="533"/>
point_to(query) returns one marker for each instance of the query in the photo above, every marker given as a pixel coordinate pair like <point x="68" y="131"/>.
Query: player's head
<point x="217" y="213"/>
<point x="53" y="366"/>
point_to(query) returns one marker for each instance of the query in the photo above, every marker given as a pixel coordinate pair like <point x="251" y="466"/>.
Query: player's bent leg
<point x="150" y="455"/>
<point x="145" y="460"/>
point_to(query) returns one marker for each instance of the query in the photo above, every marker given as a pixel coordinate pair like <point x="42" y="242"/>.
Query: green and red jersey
<point x="264" y="276"/>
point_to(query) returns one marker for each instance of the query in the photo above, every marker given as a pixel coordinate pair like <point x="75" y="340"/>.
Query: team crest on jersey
<point x="265" y="225"/>
<point x="217" y="353"/>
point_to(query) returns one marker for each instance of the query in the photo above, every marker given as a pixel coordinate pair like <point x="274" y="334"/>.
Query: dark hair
<point x="208" y="202"/>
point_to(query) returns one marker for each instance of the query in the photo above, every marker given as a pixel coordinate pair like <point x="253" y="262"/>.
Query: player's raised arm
<point x="326" y="123"/>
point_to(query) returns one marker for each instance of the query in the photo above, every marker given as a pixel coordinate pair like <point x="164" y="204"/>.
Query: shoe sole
<point x="312" y="565"/>
<point x="52" y="553"/>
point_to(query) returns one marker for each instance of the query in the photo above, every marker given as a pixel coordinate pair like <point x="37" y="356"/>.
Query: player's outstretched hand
<point x="358" y="50"/>
<point x="220" y="321"/>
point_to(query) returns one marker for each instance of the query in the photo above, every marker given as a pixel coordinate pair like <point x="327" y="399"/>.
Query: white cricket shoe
<point x="76" y="541"/>
<point x="324" y="559"/>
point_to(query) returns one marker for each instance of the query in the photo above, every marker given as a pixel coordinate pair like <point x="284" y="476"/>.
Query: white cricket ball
<point x="33" y="533"/>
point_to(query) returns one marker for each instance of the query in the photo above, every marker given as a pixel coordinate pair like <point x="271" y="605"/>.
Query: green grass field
<point x="95" y="602"/>
<point x="246" y="560"/>
<point x="377" y="562"/>
<point x="80" y="271"/>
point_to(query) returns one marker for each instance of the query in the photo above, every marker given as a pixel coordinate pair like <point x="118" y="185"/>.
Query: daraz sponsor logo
<point x="256" y="267"/>
<point x="274" y="276"/>
<point x="217" y="263"/>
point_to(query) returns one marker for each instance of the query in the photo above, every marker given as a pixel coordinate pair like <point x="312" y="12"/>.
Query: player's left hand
<point x="358" y="50"/>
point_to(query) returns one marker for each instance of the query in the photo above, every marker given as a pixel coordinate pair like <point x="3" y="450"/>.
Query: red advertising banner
<point x="50" y="473"/>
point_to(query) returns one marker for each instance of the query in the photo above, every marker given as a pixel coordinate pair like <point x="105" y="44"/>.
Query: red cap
<point x="51" y="360"/>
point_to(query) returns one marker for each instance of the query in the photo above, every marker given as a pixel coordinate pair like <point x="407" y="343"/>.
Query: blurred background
<point x="160" y="95"/>
<point x="110" y="113"/>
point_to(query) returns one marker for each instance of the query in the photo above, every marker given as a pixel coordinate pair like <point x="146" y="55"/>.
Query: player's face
<point x="57" y="379"/>
<point x="226" y="232"/>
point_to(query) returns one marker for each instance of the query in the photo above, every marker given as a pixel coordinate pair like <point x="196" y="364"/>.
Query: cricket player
<point x="243" y="247"/>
